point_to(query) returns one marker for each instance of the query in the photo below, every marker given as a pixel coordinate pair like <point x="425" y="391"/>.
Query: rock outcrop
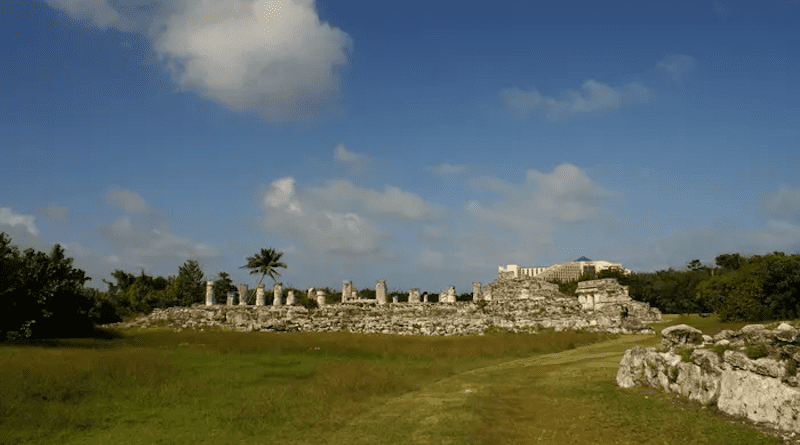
<point x="750" y="373"/>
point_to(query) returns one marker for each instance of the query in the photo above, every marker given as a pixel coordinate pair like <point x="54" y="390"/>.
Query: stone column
<point x="395" y="299"/>
<point x="413" y="296"/>
<point x="260" y="295"/>
<point x="476" y="292"/>
<point x="209" y="292"/>
<point x="347" y="291"/>
<point x="380" y="292"/>
<point x="277" y="294"/>
<point x="242" y="295"/>
<point x="354" y="295"/>
<point x="487" y="293"/>
<point x="230" y="299"/>
<point x="290" y="298"/>
<point x="425" y="298"/>
<point x="451" y="294"/>
<point x="311" y="295"/>
<point x="321" y="297"/>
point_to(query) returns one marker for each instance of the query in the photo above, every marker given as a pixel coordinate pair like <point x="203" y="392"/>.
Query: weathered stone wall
<point x="720" y="372"/>
<point x="461" y="318"/>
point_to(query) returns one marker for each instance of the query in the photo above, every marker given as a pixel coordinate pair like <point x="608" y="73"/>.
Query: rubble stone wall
<point x="461" y="318"/>
<point x="750" y="373"/>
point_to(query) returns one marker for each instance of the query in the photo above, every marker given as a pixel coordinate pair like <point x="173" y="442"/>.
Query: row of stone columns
<point x="348" y="294"/>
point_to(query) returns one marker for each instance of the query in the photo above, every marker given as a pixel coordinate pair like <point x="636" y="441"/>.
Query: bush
<point x="756" y="352"/>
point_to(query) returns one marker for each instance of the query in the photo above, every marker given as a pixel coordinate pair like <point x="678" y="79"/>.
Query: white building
<point x="563" y="272"/>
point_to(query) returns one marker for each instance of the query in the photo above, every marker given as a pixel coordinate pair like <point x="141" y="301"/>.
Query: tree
<point x="42" y="295"/>
<point x="265" y="264"/>
<point x="222" y="286"/>
<point x="191" y="288"/>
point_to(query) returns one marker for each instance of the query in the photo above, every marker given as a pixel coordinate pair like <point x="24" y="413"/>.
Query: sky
<point x="424" y="143"/>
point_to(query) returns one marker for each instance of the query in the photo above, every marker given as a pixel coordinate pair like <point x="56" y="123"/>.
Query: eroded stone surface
<point x="763" y="389"/>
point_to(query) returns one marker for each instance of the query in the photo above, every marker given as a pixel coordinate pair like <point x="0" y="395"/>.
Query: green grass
<point x="159" y="384"/>
<point x="228" y="387"/>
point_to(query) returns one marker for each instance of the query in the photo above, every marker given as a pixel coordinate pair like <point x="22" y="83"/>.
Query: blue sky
<point x="422" y="144"/>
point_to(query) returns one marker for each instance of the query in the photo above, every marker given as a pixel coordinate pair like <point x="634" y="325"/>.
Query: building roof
<point x="583" y="258"/>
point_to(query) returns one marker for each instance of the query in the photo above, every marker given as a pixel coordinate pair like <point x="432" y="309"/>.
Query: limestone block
<point x="209" y="292"/>
<point x="413" y="296"/>
<point x="759" y="398"/>
<point x="476" y="292"/>
<point x="762" y="366"/>
<point x="230" y="299"/>
<point x="260" y="294"/>
<point x="290" y="299"/>
<point x="277" y="294"/>
<point x="395" y="299"/>
<point x="243" y="295"/>
<point x="681" y="335"/>
<point x="425" y="297"/>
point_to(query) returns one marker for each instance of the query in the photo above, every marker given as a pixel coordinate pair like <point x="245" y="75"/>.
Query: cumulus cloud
<point x="340" y="217"/>
<point x="391" y="201"/>
<point x="274" y="57"/>
<point x="448" y="169"/>
<point x="26" y="222"/>
<point x="281" y="195"/>
<point x="783" y="204"/>
<point x="677" y="67"/>
<point x="593" y="96"/>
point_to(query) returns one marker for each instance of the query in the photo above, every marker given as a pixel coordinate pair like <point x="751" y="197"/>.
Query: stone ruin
<point x="749" y="373"/>
<point x="448" y="296"/>
<point x="516" y="304"/>
<point x="609" y="296"/>
<point x="507" y="287"/>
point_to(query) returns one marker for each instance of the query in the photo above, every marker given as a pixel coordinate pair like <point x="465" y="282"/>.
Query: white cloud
<point x="677" y="66"/>
<point x="281" y="195"/>
<point x="783" y="204"/>
<point x="447" y="169"/>
<point x="338" y="217"/>
<point x="390" y="202"/>
<point x="593" y="96"/>
<point x="343" y="155"/>
<point x="128" y="200"/>
<point x="27" y="222"/>
<point x="274" y="57"/>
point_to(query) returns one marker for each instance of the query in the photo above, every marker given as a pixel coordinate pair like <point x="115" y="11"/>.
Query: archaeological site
<point x="514" y="303"/>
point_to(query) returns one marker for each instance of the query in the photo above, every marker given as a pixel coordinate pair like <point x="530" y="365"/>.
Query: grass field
<point x="226" y="387"/>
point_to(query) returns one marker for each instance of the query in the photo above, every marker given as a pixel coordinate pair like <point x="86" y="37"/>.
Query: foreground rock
<point x="558" y="312"/>
<point x="750" y="373"/>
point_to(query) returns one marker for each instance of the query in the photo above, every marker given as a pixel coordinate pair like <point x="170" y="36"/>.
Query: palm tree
<point x="265" y="262"/>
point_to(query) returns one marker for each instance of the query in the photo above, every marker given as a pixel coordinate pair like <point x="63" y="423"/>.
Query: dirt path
<point x="435" y="414"/>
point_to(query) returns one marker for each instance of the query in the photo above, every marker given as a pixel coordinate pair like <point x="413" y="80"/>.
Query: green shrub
<point x="685" y="353"/>
<point x="756" y="352"/>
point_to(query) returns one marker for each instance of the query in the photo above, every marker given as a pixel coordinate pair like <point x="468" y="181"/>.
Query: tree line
<point x="736" y="287"/>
